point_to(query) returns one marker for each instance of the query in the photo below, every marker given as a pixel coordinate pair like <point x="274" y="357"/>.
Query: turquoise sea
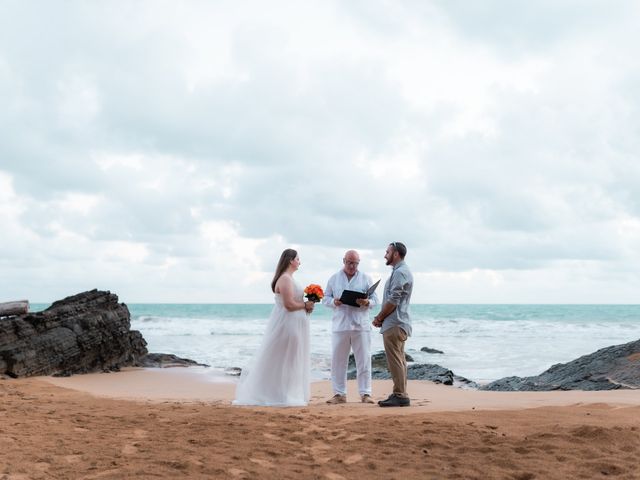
<point x="480" y="342"/>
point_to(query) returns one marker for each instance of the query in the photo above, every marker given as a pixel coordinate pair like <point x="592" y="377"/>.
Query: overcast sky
<point x="169" y="151"/>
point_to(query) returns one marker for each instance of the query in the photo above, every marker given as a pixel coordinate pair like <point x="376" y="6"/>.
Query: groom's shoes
<point x="395" y="401"/>
<point x="366" y="398"/>
<point x="336" y="399"/>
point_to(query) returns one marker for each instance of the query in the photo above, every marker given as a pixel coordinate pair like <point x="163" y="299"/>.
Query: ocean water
<point x="480" y="342"/>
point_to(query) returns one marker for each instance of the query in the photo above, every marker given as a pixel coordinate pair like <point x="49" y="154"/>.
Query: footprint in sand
<point x="139" y="433"/>
<point x="262" y="462"/>
<point x="41" y="466"/>
<point x="73" y="458"/>
<point x="334" y="476"/>
<point x="353" y="459"/>
<point x="317" y="448"/>
<point x="340" y="434"/>
<point x="271" y="436"/>
<point x="236" y="472"/>
<point x="129" y="449"/>
<point x="317" y="451"/>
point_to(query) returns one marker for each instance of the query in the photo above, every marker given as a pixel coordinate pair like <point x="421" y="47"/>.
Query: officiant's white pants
<point x="343" y="343"/>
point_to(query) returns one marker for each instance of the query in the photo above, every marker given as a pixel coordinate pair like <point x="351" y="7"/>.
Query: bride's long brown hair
<point x="284" y="262"/>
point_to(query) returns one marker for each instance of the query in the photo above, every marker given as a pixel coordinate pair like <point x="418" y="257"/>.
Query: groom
<point x="395" y="323"/>
<point x="350" y="329"/>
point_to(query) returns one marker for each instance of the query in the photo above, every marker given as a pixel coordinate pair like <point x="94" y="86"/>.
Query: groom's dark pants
<point x="394" y="340"/>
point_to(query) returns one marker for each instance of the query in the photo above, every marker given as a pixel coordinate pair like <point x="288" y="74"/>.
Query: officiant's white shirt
<point x="346" y="317"/>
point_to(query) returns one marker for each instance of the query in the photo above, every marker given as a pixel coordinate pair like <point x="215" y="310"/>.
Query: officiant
<point x="351" y="328"/>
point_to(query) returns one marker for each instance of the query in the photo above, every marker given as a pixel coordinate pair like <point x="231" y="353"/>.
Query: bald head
<point x="351" y="260"/>
<point x="352" y="255"/>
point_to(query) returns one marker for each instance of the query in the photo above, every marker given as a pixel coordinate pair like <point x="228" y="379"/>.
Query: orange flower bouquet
<point x="314" y="293"/>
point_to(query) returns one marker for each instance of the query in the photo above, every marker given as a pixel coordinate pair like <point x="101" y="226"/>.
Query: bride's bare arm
<point x="285" y="286"/>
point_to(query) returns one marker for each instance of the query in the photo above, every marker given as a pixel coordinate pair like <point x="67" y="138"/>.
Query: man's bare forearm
<point x="386" y="310"/>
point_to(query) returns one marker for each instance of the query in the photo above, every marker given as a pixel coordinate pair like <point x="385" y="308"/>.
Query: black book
<point x="349" y="297"/>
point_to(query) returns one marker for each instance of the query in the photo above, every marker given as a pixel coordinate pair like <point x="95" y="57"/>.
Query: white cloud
<point x="169" y="151"/>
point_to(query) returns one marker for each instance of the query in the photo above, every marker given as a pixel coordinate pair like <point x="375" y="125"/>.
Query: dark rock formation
<point x="378" y="361"/>
<point x="83" y="333"/>
<point x="430" y="350"/>
<point x="427" y="371"/>
<point x="166" y="360"/>
<point x="609" y="368"/>
<point x="438" y="374"/>
<point x="434" y="373"/>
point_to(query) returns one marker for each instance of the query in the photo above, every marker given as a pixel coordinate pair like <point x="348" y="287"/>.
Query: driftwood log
<point x="18" y="307"/>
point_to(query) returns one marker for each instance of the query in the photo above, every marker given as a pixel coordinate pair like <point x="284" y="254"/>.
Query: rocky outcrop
<point x="430" y="350"/>
<point x="611" y="368"/>
<point x="428" y="371"/>
<point x="378" y="361"/>
<point x="421" y="371"/>
<point x="83" y="333"/>
<point x="166" y="360"/>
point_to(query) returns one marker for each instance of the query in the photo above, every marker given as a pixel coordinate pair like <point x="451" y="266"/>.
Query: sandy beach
<point x="177" y="423"/>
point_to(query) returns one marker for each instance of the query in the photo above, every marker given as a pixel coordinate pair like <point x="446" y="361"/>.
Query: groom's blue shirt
<point x="397" y="291"/>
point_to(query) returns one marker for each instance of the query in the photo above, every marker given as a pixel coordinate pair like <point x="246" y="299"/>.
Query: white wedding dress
<point x="279" y="373"/>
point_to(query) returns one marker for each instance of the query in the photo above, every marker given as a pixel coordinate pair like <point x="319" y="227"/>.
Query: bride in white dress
<point x="279" y="374"/>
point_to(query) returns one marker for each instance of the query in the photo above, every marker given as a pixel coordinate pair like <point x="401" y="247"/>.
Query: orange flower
<point x="314" y="293"/>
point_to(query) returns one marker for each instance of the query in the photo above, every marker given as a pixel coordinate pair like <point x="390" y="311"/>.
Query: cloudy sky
<point x="169" y="151"/>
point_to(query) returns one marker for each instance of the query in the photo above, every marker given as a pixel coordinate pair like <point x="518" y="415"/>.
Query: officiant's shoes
<point x="366" y="398"/>
<point x="395" y="401"/>
<point x="337" y="398"/>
